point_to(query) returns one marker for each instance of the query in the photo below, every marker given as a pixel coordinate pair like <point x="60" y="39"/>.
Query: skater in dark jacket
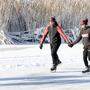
<point x="85" y="36"/>
<point x="55" y="32"/>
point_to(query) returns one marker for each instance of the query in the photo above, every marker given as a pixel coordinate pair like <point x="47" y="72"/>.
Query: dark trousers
<point x="86" y="57"/>
<point x="54" y="49"/>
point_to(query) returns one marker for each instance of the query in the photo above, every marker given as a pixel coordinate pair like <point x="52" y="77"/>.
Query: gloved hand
<point x="70" y="44"/>
<point x="41" y="45"/>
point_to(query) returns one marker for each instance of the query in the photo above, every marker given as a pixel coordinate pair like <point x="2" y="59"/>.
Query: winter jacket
<point x="54" y="34"/>
<point x="85" y="36"/>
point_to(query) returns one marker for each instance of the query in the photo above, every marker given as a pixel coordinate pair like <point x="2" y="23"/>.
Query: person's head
<point x="53" y="21"/>
<point x="84" y="22"/>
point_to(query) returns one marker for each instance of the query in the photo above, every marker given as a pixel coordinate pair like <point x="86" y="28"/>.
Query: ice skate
<point x="59" y="62"/>
<point x="87" y="70"/>
<point x="53" y="68"/>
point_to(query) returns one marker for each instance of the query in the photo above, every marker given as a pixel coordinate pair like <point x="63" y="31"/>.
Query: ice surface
<point x="26" y="67"/>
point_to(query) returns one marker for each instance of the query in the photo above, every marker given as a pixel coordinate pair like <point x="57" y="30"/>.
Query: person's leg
<point x="54" y="55"/>
<point x="89" y="55"/>
<point x="54" y="49"/>
<point x="85" y="54"/>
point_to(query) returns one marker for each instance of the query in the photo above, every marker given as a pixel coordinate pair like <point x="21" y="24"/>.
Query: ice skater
<point x="85" y="36"/>
<point x="55" y="32"/>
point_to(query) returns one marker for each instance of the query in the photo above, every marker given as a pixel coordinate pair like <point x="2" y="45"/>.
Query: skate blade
<point x="53" y="71"/>
<point x="85" y="71"/>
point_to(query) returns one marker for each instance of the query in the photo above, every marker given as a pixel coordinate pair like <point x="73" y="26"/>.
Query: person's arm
<point x="77" y="40"/>
<point x="44" y="36"/>
<point x="59" y="29"/>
